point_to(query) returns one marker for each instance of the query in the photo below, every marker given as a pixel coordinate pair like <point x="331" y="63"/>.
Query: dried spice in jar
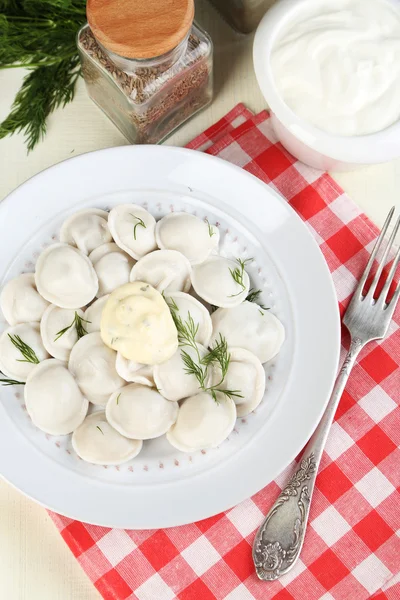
<point x="146" y="65"/>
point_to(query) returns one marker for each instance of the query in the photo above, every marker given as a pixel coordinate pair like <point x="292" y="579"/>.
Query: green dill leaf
<point x="253" y="296"/>
<point x="78" y="323"/>
<point x="118" y="397"/>
<point x="27" y="352"/>
<point x="100" y="429"/>
<point x="238" y="274"/>
<point x="6" y="381"/>
<point x="140" y="223"/>
<point x="211" y="231"/>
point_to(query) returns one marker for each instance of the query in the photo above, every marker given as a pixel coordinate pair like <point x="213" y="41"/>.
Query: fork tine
<point x="382" y="263"/>
<point x="364" y="276"/>
<point x="388" y="282"/>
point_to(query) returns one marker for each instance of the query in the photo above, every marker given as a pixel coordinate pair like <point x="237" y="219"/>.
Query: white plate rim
<point x="218" y="489"/>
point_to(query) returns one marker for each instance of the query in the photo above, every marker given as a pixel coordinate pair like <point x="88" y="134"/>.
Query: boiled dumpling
<point x="136" y="322"/>
<point x="86" y="229"/>
<point x="221" y="281"/>
<point x="247" y="326"/>
<point x="188" y="234"/>
<point x="113" y="267"/>
<point x="133" y="229"/>
<point x="140" y="413"/>
<point x="171" y="378"/>
<point x="65" y="276"/>
<point x="20" y="301"/>
<point x="165" y="270"/>
<point x="14" y="363"/>
<point x="53" y="399"/>
<point x="183" y="305"/>
<point x="202" y="422"/>
<point x="93" y="314"/>
<point x="134" y="372"/>
<point x="53" y="322"/>
<point x="98" y="443"/>
<point x="246" y="376"/>
<point x="92" y="364"/>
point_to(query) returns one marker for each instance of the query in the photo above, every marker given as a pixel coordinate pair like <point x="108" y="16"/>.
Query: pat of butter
<point x="137" y="322"/>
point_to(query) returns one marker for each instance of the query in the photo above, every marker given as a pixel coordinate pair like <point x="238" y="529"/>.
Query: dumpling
<point x="86" y="229"/>
<point x="93" y="314"/>
<point x="100" y="444"/>
<point x="134" y="372"/>
<point x="221" y="281"/>
<point x="133" y="229"/>
<point x="140" y="413"/>
<point x="245" y="375"/>
<point x="66" y="277"/>
<point x="53" y="399"/>
<point x="17" y="364"/>
<point x="20" y="302"/>
<point x="247" y="326"/>
<point x="188" y="234"/>
<point x="202" y="422"/>
<point x="165" y="270"/>
<point x="92" y="364"/>
<point x="54" y="321"/>
<point x="136" y="322"/>
<point x="113" y="267"/>
<point x="183" y="304"/>
<point x="171" y="378"/>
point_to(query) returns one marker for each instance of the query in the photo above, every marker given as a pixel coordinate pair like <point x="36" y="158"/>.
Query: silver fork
<point x="280" y="538"/>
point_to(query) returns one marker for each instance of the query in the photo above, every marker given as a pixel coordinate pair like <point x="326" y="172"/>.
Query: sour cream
<point x="336" y="64"/>
<point x="137" y="323"/>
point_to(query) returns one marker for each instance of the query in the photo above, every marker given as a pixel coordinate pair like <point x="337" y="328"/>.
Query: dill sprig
<point x="254" y="297"/>
<point x="78" y="323"/>
<point x="140" y="223"/>
<point x="39" y="35"/>
<point x="238" y="274"/>
<point x="100" y="429"/>
<point x="27" y="352"/>
<point x="211" y="231"/>
<point x="6" y="381"/>
<point x="200" y="365"/>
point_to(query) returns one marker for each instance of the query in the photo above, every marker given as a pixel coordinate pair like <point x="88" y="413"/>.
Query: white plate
<point x="163" y="487"/>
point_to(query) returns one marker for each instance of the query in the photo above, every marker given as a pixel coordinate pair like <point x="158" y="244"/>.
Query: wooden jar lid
<point x="140" y="28"/>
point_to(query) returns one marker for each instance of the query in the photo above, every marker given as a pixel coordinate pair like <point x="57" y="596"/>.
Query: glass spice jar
<point x="243" y="15"/>
<point x="146" y="65"/>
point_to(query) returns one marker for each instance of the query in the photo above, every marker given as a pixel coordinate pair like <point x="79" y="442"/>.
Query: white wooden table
<point x="35" y="563"/>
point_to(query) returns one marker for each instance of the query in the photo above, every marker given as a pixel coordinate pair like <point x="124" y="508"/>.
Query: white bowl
<point x="306" y="142"/>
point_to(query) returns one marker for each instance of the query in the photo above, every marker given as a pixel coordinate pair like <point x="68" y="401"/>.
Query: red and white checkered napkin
<point x="352" y="547"/>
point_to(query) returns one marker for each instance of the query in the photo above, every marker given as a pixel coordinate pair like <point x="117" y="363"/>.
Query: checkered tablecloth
<point x="352" y="547"/>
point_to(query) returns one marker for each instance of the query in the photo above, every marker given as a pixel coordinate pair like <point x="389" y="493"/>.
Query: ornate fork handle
<point x="280" y="538"/>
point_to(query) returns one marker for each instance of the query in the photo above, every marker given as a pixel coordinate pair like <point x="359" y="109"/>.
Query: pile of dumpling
<point x="111" y="401"/>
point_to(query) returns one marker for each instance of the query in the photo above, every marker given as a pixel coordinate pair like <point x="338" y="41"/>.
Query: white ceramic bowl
<point x="306" y="142"/>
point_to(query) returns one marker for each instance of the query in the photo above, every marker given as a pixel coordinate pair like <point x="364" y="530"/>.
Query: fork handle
<point x="280" y="538"/>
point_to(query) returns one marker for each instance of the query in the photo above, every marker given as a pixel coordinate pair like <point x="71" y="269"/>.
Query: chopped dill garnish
<point x="100" y="429"/>
<point x="200" y="365"/>
<point x="26" y="351"/>
<point x="7" y="381"/>
<point x="238" y="274"/>
<point x="211" y="231"/>
<point x="253" y="296"/>
<point x="261" y="313"/>
<point x="140" y="223"/>
<point x="118" y="397"/>
<point x="78" y="323"/>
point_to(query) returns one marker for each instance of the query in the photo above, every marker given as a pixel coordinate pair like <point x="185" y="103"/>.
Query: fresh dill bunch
<point x="219" y="355"/>
<point x="140" y="223"/>
<point x="27" y="352"/>
<point x="78" y="324"/>
<point x="211" y="231"/>
<point x="254" y="297"/>
<point x="40" y="36"/>
<point x="238" y="274"/>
